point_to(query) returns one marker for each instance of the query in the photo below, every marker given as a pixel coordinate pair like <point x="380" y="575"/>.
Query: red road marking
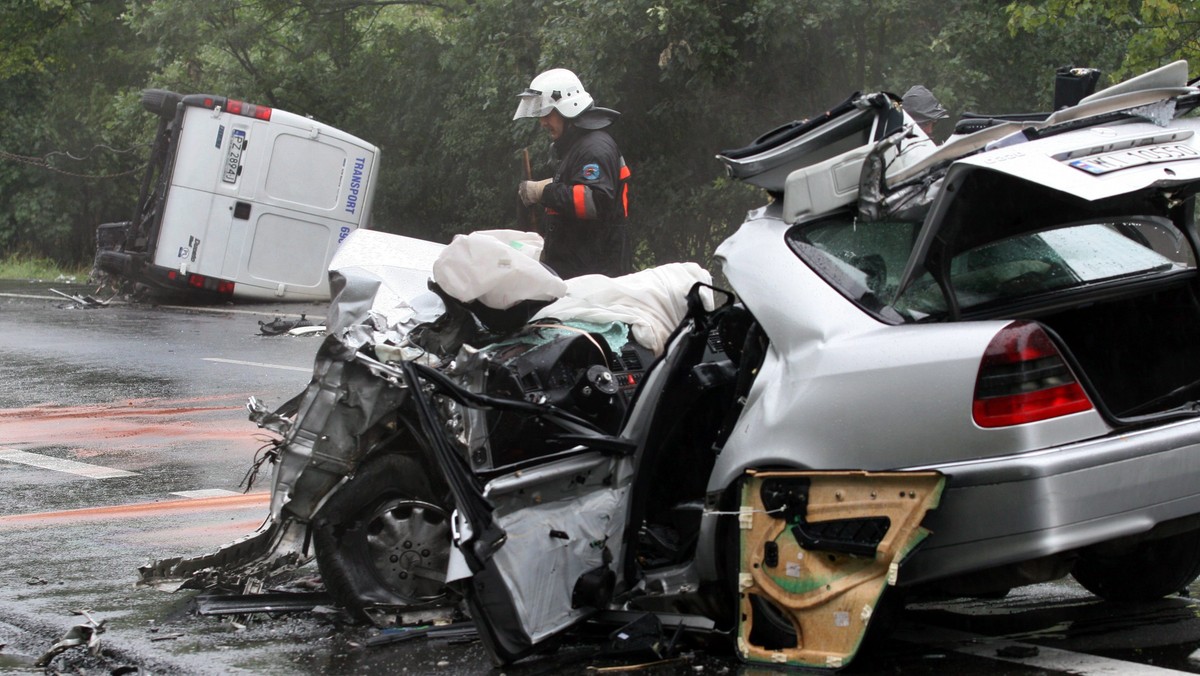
<point x="142" y="509"/>
<point x="91" y="430"/>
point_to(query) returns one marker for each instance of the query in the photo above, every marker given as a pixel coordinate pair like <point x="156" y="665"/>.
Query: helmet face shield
<point x="557" y="89"/>
<point x="533" y="104"/>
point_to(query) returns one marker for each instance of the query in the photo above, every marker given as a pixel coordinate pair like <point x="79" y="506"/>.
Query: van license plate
<point x="1103" y="164"/>
<point x="233" y="160"/>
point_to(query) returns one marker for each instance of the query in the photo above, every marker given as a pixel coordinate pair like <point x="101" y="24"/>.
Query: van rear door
<point x="263" y="201"/>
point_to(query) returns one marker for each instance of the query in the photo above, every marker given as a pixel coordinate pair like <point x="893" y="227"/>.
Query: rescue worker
<point x="587" y="200"/>
<point x="923" y="107"/>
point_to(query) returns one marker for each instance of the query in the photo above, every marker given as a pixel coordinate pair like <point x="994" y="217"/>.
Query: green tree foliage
<point x="434" y="84"/>
<point x="1155" y="31"/>
<point x="68" y="148"/>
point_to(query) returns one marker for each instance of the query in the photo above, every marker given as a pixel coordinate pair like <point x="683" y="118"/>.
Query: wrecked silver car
<point x="957" y="369"/>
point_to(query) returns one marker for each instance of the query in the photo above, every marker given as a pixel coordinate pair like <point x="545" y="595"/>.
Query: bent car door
<point x="546" y="544"/>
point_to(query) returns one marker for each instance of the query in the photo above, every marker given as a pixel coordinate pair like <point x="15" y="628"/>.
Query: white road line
<point x="28" y="296"/>
<point x="1041" y="657"/>
<point x="61" y="465"/>
<point x="205" y="493"/>
<point x="260" y="364"/>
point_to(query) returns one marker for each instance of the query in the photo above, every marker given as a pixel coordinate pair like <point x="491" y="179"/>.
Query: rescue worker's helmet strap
<point x="556" y="89"/>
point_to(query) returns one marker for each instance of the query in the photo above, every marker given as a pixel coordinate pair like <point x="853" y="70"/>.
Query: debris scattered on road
<point x="307" y="331"/>
<point x="84" y="301"/>
<point x="280" y="326"/>
<point x="85" y="633"/>
<point x="435" y="614"/>
<point x="239" y="604"/>
<point x="455" y="632"/>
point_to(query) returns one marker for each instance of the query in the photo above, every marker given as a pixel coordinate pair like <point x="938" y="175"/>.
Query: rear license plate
<point x="233" y="160"/>
<point x="1103" y="164"/>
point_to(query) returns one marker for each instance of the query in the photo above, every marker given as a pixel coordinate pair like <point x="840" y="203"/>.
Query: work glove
<point x="530" y="192"/>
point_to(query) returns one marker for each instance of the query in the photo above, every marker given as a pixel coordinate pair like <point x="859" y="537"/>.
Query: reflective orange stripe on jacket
<point x="625" y="174"/>
<point x="585" y="207"/>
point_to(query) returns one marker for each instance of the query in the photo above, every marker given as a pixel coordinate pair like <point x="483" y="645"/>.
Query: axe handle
<point x="533" y="219"/>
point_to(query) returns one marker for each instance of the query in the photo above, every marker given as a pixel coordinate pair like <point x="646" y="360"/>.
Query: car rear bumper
<point x="1004" y="510"/>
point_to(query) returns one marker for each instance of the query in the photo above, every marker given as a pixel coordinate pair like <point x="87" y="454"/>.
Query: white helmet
<point x="557" y="89"/>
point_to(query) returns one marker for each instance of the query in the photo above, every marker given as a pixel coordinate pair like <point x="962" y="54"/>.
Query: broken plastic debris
<point x="277" y="602"/>
<point x="306" y="331"/>
<point x="86" y="301"/>
<point x="454" y="632"/>
<point x="86" y="633"/>
<point x="279" y="325"/>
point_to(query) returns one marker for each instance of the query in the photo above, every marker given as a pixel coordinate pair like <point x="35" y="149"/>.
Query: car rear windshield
<point x="1055" y="260"/>
<point x="865" y="260"/>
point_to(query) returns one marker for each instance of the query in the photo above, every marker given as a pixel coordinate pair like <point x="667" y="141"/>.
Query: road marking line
<point x="255" y="363"/>
<point x="1042" y="657"/>
<point x="205" y="493"/>
<point x="28" y="296"/>
<point x="61" y="465"/>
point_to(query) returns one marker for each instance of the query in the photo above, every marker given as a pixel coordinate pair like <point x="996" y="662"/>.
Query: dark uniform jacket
<point x="586" y="206"/>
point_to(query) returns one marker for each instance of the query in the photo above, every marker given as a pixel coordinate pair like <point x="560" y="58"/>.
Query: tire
<point x="160" y="102"/>
<point x="383" y="540"/>
<point x="1149" y="570"/>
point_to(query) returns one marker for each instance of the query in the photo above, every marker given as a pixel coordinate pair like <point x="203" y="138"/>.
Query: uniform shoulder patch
<point x="590" y="172"/>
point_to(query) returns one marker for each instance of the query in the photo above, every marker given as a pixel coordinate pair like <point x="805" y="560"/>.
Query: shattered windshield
<point x="1074" y="255"/>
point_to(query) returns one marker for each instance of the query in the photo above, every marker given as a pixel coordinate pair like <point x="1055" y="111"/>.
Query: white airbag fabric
<point x="498" y="268"/>
<point x="652" y="302"/>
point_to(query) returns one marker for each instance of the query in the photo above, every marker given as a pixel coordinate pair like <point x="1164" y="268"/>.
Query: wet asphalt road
<point x="123" y="438"/>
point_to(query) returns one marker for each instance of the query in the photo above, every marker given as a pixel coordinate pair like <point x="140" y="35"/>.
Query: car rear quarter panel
<point x="840" y="389"/>
<point x="1024" y="506"/>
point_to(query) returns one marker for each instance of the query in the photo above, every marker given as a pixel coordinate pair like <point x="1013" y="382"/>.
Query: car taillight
<point x="1023" y="378"/>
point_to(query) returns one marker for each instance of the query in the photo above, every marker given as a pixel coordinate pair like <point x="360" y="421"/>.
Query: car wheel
<point x="1149" y="570"/>
<point x="160" y="102"/>
<point x="384" y="538"/>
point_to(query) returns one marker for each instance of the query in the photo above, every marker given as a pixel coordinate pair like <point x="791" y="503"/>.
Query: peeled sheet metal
<point x="819" y="549"/>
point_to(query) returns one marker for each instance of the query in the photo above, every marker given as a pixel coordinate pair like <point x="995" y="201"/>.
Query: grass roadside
<point x="16" y="266"/>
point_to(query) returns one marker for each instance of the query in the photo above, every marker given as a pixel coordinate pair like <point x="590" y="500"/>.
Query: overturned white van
<point x="240" y="201"/>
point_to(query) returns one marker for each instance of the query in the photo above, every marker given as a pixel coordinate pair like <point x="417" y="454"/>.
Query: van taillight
<point x="238" y="107"/>
<point x="248" y="109"/>
<point x="210" y="284"/>
<point x="1023" y="378"/>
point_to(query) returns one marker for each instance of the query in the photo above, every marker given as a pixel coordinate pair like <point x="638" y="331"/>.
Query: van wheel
<point x="1146" y="571"/>
<point x="160" y="102"/>
<point x="384" y="538"/>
